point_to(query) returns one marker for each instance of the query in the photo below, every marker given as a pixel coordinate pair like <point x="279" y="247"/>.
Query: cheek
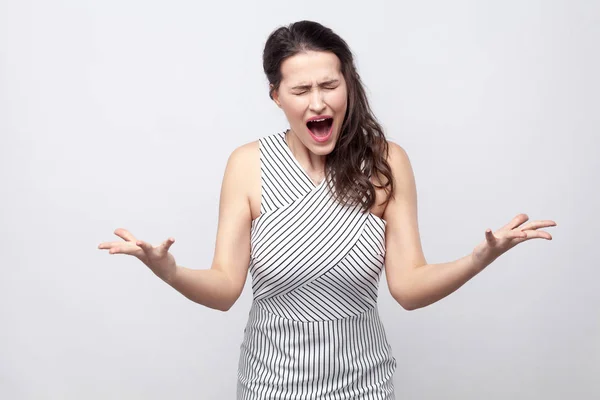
<point x="338" y="99"/>
<point x="294" y="107"/>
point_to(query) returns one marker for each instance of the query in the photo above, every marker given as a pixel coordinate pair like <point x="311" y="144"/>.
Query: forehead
<point x="311" y="66"/>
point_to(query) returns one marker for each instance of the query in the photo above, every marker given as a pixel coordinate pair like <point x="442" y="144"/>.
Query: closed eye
<point x="306" y="91"/>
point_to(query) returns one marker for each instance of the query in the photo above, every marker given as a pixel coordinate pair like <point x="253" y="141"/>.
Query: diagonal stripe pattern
<point x="313" y="330"/>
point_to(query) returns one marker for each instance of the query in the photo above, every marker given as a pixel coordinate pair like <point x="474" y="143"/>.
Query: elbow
<point x="220" y="304"/>
<point x="226" y="303"/>
<point x="412" y="307"/>
<point x="408" y="305"/>
<point x="225" y="306"/>
<point x="228" y="296"/>
<point x="406" y="300"/>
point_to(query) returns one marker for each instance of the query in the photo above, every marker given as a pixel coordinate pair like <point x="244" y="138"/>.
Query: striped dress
<point x="313" y="330"/>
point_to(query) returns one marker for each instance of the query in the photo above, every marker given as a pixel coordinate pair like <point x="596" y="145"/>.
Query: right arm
<point x="220" y="286"/>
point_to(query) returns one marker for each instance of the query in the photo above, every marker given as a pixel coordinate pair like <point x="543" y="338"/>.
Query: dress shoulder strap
<point x="282" y="179"/>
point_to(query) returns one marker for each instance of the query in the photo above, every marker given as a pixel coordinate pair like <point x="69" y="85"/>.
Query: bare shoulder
<point x="245" y="155"/>
<point x="243" y="167"/>
<point x="244" y="161"/>
<point x="398" y="158"/>
<point x="402" y="171"/>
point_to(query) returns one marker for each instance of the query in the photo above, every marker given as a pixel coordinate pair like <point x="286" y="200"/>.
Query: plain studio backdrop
<point x="123" y="114"/>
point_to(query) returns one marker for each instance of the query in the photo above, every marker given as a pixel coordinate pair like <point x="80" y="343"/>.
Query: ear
<point x="275" y="95"/>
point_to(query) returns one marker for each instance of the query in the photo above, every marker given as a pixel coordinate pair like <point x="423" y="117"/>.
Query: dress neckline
<point x="288" y="151"/>
<point x="315" y="186"/>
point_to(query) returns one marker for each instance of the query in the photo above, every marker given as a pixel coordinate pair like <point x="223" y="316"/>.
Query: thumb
<point x="166" y="245"/>
<point x="490" y="238"/>
<point x="147" y="247"/>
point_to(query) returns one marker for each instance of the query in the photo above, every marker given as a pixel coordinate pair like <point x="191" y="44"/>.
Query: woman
<point x="314" y="213"/>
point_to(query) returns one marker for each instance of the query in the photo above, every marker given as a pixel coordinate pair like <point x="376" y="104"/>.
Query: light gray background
<point x="123" y="113"/>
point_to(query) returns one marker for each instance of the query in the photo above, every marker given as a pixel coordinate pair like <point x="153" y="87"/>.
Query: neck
<point x="313" y="164"/>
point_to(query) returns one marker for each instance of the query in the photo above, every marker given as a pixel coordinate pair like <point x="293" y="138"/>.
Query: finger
<point x="166" y="245"/>
<point x="125" y="234"/>
<point x="490" y="238"/>
<point x="516" y="221"/>
<point x="108" y="245"/>
<point x="116" y="250"/>
<point x="516" y="234"/>
<point x="539" y="235"/>
<point x="533" y="225"/>
<point x="147" y="247"/>
<point x="533" y="235"/>
<point x="126" y="248"/>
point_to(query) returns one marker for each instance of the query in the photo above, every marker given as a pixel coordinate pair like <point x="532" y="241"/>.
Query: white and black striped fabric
<point x="314" y="330"/>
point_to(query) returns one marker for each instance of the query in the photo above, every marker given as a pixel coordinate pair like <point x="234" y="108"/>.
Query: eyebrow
<point x="305" y="86"/>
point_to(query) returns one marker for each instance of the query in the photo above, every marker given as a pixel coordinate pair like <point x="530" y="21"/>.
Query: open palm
<point x="157" y="258"/>
<point x="507" y="237"/>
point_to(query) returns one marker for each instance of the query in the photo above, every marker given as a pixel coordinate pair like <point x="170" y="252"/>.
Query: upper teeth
<point x="318" y="120"/>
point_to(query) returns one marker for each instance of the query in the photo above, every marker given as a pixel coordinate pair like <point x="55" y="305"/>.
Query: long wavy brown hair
<point x="362" y="142"/>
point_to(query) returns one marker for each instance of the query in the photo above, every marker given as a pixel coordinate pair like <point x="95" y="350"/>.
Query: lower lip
<point x="321" y="139"/>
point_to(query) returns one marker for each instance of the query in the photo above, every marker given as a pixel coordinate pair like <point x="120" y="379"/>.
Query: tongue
<point x="319" y="128"/>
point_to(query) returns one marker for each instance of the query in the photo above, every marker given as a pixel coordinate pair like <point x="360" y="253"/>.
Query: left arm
<point x="413" y="282"/>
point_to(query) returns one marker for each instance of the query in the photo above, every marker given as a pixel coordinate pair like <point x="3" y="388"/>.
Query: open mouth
<point x="320" y="128"/>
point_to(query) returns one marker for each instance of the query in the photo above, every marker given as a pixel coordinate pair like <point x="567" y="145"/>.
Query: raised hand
<point x="507" y="237"/>
<point x="157" y="258"/>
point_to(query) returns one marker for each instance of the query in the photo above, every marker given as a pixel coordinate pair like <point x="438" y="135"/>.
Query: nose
<point x="317" y="105"/>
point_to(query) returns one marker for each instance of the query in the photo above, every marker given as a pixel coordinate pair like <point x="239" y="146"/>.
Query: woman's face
<point x="313" y="88"/>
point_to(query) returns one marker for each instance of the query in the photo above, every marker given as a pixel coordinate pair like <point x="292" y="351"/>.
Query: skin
<point x="312" y="85"/>
<point x="411" y="280"/>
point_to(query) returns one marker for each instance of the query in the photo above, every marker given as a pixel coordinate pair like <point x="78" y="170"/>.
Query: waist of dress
<point x="269" y="313"/>
<point x="301" y="309"/>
